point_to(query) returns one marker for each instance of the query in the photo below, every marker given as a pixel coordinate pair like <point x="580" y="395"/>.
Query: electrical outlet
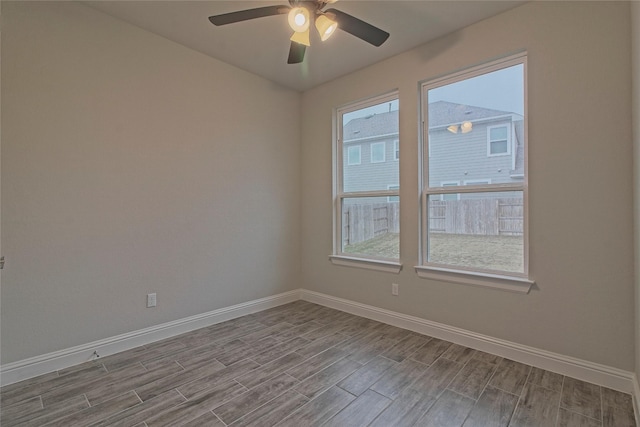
<point x="151" y="300"/>
<point x="394" y="289"/>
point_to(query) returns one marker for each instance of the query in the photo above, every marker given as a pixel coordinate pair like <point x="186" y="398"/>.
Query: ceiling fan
<point x="301" y="13"/>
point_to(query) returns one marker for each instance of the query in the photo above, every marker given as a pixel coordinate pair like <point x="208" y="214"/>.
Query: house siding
<point x="369" y="176"/>
<point x="463" y="157"/>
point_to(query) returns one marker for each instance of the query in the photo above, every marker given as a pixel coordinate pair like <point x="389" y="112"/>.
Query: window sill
<point x="494" y="281"/>
<point x="366" y="263"/>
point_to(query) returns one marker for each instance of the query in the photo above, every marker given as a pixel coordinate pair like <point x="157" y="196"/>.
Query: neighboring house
<point x="474" y="145"/>
<point x="371" y="152"/>
<point x="468" y="145"/>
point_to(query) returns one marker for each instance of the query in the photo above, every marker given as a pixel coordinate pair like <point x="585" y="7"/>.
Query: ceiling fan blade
<point x="245" y="15"/>
<point x="358" y="28"/>
<point x="296" y="53"/>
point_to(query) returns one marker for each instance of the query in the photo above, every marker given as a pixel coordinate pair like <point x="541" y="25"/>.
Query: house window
<point x="377" y="152"/>
<point x="474" y="230"/>
<point x="498" y="140"/>
<point x="353" y="155"/>
<point x="367" y="216"/>
<point x="450" y="196"/>
<point x="396" y="150"/>
<point x="477" y="181"/>
<point x="393" y="198"/>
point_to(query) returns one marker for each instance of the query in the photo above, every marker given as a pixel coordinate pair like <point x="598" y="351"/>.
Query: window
<point x="377" y="152"/>
<point x="396" y="150"/>
<point x="477" y="181"/>
<point x="474" y="217"/>
<point x="393" y="198"/>
<point x="353" y="155"/>
<point x="451" y="196"/>
<point x="367" y="212"/>
<point x="498" y="140"/>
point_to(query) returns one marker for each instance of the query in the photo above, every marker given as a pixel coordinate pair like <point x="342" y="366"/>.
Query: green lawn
<point x="503" y="253"/>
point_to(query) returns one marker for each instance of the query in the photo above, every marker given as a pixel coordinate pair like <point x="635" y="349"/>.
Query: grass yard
<point x="504" y="253"/>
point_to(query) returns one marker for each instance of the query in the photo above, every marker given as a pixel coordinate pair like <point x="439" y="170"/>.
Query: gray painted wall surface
<point x="128" y="167"/>
<point x="581" y="249"/>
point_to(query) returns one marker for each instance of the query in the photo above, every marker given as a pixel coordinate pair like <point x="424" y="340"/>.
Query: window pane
<point x="371" y="226"/>
<point x="498" y="133"/>
<point x="371" y="128"/>
<point x="498" y="147"/>
<point x="472" y="120"/>
<point x="353" y="155"/>
<point x="377" y="152"/>
<point x="477" y="230"/>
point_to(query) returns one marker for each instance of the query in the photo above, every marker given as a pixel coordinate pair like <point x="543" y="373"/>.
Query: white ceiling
<point x="261" y="46"/>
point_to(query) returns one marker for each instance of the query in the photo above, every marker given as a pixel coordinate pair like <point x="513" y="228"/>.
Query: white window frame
<point x="396" y="150"/>
<point x="338" y="257"/>
<point x="349" y="148"/>
<point x="508" y="281"/>
<point x="384" y="149"/>
<point x="489" y="140"/>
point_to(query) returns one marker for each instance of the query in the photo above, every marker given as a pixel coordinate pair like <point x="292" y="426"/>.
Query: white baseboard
<point x="34" y="366"/>
<point x="616" y="379"/>
<point x="595" y="373"/>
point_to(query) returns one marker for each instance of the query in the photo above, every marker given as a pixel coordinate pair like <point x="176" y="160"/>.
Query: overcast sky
<point x="499" y="90"/>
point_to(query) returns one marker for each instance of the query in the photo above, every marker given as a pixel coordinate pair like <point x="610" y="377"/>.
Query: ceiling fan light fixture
<point x="325" y="26"/>
<point x="299" y="19"/>
<point x="301" y="38"/>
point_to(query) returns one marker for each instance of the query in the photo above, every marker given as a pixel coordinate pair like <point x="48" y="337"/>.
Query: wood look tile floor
<point x="301" y="365"/>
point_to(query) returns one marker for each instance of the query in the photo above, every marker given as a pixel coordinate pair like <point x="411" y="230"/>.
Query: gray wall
<point x="635" y="23"/>
<point x="129" y="166"/>
<point x="580" y="166"/>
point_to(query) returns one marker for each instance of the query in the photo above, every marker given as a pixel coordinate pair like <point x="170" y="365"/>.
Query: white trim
<point x="34" y="366"/>
<point x="595" y="373"/>
<point x="396" y="150"/>
<point x="603" y="375"/>
<point x="338" y="168"/>
<point x="366" y="263"/>
<point x="474" y="278"/>
<point x="425" y="188"/>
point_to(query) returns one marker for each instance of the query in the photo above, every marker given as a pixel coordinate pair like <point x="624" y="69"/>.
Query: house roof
<point x="371" y="126"/>
<point x="440" y="113"/>
<point x="445" y="113"/>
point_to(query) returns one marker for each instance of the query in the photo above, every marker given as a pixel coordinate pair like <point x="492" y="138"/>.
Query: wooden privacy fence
<point x="362" y="222"/>
<point x="489" y="217"/>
